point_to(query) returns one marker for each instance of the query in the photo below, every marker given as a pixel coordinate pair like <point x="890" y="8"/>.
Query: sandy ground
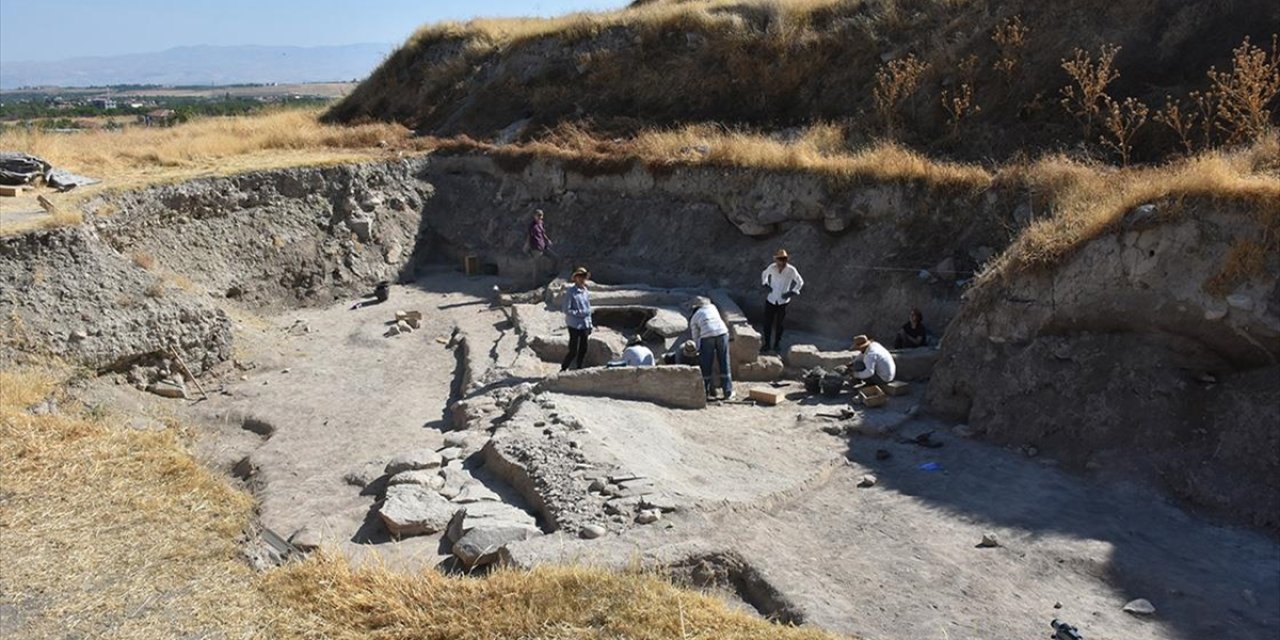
<point x="897" y="560"/>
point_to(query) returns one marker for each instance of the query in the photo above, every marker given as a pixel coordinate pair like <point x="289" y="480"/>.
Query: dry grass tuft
<point x="113" y="532"/>
<point x="335" y="600"/>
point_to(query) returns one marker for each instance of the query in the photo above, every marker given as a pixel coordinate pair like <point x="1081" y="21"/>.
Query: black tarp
<point x="22" y="168"/>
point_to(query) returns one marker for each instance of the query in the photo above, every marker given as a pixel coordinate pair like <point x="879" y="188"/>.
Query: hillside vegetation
<point x="971" y="79"/>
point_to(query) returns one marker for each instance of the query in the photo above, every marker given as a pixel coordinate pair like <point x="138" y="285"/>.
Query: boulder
<point x="678" y="386"/>
<point x="480" y="546"/>
<point x="414" y="460"/>
<point x="412" y="509"/>
<point x="603" y="346"/>
<point x="667" y="323"/>
<point x="168" y="389"/>
<point x="486" y="514"/>
<point x="474" y="491"/>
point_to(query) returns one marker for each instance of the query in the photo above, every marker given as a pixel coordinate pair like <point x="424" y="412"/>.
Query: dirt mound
<point x="66" y="293"/>
<point x="1128" y="347"/>
<point x="778" y="65"/>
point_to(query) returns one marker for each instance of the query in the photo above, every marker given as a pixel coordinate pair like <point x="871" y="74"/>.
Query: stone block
<point x="897" y="388"/>
<point x="679" y="387"/>
<point x="914" y="364"/>
<point x="412" y="509"/>
<point x="603" y="345"/>
<point x="807" y="356"/>
<point x="763" y="369"/>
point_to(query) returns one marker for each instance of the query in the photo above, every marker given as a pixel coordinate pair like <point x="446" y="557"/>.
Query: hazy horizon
<point x="31" y="33"/>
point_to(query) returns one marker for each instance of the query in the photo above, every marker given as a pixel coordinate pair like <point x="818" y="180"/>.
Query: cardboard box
<point x="767" y="396"/>
<point x="897" y="388"/>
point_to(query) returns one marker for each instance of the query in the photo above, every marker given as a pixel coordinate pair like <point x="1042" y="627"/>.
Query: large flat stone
<point x="413" y="461"/>
<point x="412" y="509"/>
<point x="487" y="514"/>
<point x="807" y="356"/>
<point x="678" y="387"/>
<point x="763" y="369"/>
<point x="603" y="346"/>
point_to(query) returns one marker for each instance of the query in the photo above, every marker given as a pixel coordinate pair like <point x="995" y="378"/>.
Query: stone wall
<point x="678" y="387"/>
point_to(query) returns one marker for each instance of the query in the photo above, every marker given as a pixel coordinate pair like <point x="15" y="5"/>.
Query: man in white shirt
<point x="710" y="333"/>
<point x="875" y="365"/>
<point x="782" y="282"/>
<point x="636" y="354"/>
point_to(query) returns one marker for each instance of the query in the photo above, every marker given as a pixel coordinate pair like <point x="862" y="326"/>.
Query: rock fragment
<point x="989" y="541"/>
<point x="591" y="531"/>
<point x="413" y="460"/>
<point x="480" y="546"/>
<point x="412" y="509"/>
<point x="1140" y="606"/>
<point x="867" y="480"/>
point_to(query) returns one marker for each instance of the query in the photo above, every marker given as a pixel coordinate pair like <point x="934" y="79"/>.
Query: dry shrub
<point x="1085" y="99"/>
<point x="1120" y="122"/>
<point x="896" y="80"/>
<point x="959" y="106"/>
<point x="1010" y="37"/>
<point x="331" y="599"/>
<point x="1246" y="92"/>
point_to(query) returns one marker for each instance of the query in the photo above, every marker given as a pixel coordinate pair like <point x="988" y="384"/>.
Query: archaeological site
<point x="372" y="357"/>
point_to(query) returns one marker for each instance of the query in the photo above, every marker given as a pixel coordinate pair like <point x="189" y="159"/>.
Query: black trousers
<point x="577" y="348"/>
<point x="774" y="315"/>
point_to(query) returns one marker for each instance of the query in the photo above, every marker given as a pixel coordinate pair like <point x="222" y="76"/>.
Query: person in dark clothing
<point x="538" y="245"/>
<point x="912" y="335"/>
<point x="577" y="317"/>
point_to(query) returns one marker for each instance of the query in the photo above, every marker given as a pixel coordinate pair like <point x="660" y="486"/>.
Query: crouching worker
<point x="874" y="365"/>
<point x="636" y="354"/>
<point x="712" y="337"/>
<point x="912" y="335"/>
<point x="687" y="354"/>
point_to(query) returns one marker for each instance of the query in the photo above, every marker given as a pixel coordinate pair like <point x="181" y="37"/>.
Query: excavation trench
<point x="258" y="283"/>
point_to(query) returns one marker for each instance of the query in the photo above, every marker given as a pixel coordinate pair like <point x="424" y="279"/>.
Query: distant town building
<point x="104" y="103"/>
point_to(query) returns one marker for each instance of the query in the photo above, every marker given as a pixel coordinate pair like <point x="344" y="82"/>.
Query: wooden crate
<point x="873" y="396"/>
<point x="897" y="388"/>
<point x="767" y="396"/>
<point x="10" y="191"/>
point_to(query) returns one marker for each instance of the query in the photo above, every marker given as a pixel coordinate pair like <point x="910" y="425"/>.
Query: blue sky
<point x="32" y="30"/>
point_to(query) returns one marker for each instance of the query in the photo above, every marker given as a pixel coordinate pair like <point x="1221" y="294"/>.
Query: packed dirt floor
<point x="762" y="497"/>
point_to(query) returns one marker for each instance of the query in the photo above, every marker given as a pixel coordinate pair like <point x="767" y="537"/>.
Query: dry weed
<point x="1085" y="99"/>
<point x="1246" y="92"/>
<point x="895" y="82"/>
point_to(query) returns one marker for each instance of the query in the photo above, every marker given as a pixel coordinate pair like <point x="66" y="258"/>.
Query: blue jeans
<point x="715" y="351"/>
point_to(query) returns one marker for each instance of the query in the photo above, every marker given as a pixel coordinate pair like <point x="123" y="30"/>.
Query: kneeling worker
<point x="636" y="354"/>
<point x="875" y="365"/>
<point x="687" y="354"/>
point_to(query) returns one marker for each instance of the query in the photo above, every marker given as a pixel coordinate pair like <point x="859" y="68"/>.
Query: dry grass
<point x="1084" y="201"/>
<point x="333" y="600"/>
<point x="111" y="532"/>
<point x="140" y="156"/>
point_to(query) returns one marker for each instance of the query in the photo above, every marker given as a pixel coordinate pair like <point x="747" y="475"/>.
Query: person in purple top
<point x="538" y="244"/>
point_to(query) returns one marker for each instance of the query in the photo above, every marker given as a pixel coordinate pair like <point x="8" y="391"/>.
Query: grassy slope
<point x="113" y="532"/>
<point x="767" y="65"/>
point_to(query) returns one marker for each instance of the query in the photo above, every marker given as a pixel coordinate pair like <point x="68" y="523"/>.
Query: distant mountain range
<point x="201" y="65"/>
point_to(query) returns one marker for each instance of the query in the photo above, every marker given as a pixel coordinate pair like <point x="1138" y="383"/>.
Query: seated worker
<point x="875" y="364"/>
<point x="687" y="354"/>
<point x="912" y="335"/>
<point x="636" y="354"/>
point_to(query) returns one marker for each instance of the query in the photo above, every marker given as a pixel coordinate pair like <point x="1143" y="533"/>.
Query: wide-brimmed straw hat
<point x="689" y="347"/>
<point x="861" y="342"/>
<point x="581" y="271"/>
<point x="781" y="254"/>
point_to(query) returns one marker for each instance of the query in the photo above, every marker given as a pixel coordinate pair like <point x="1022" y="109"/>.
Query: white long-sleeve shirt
<point x="706" y="323"/>
<point x="638" y="356"/>
<point x="781" y="282"/>
<point x="879" y="362"/>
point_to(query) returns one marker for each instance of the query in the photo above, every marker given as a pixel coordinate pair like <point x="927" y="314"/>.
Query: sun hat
<point x="782" y="253"/>
<point x="861" y="341"/>
<point x="689" y="347"/>
<point x="581" y="271"/>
